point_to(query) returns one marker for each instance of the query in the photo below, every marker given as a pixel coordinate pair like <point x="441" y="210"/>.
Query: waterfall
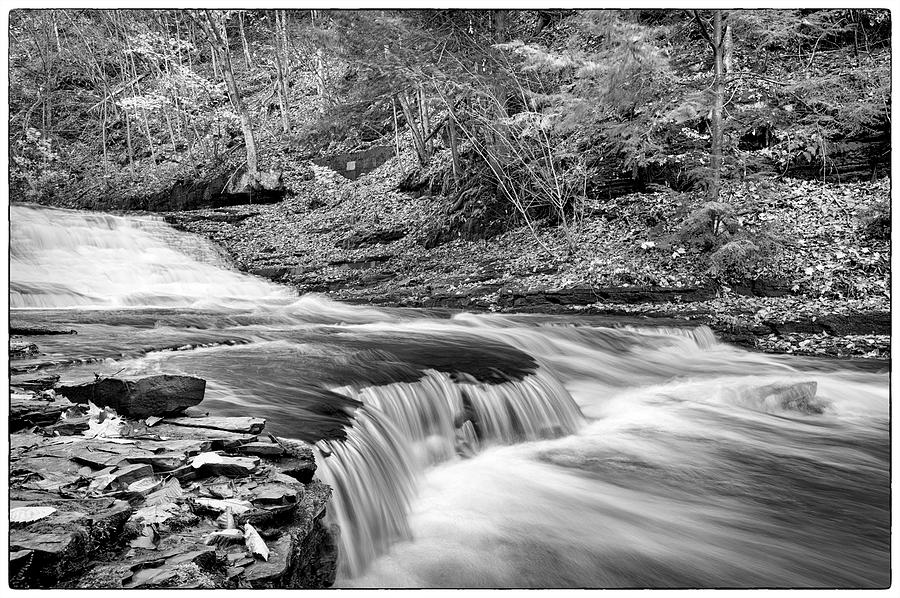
<point x="69" y="259"/>
<point x="403" y="428"/>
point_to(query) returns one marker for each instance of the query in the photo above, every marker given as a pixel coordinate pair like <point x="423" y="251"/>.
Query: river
<point x="594" y="455"/>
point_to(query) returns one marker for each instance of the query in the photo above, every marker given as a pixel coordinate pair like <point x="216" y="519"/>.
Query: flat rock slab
<point x="121" y="477"/>
<point x="244" y="425"/>
<point x="31" y="383"/>
<point x="25" y="329"/>
<point x="26" y="410"/>
<point x="216" y="439"/>
<point x="100" y="456"/>
<point x="266" y="449"/>
<point x="159" y="461"/>
<point x="141" y="397"/>
<point x="224" y="465"/>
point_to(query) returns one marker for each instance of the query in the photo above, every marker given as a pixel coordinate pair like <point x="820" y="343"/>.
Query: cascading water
<point x="487" y="450"/>
<point x="63" y="258"/>
<point x="404" y="428"/>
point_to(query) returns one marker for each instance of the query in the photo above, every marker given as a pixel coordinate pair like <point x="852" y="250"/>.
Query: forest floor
<point x="826" y="290"/>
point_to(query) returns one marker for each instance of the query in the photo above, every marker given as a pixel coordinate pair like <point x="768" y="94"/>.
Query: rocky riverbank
<point x="141" y="488"/>
<point x="363" y="241"/>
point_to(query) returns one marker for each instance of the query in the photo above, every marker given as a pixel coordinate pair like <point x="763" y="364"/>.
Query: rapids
<point x="594" y="455"/>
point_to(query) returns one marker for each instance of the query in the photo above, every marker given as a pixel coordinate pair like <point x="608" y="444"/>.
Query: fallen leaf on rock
<point x="224" y="537"/>
<point x="29" y="514"/>
<point x="144" y="486"/>
<point x="226" y="520"/>
<point x="167" y="493"/>
<point x="255" y="543"/>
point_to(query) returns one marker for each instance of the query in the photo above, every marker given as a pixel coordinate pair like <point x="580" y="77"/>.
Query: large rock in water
<point x="142" y="397"/>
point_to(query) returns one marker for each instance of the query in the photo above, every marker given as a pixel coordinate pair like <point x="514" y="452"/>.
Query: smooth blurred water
<point x="605" y="457"/>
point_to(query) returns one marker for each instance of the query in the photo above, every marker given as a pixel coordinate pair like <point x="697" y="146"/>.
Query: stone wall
<point x="355" y="164"/>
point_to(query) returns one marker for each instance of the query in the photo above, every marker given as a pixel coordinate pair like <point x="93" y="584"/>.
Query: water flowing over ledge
<point x="486" y="450"/>
<point x="403" y="428"/>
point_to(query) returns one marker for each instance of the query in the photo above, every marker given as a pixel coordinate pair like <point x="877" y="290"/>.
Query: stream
<point x="487" y="450"/>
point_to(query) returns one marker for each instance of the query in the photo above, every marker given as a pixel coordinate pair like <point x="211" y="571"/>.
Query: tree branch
<point x="703" y="29"/>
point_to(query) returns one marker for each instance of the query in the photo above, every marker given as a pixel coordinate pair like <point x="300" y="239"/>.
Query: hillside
<point x="724" y="166"/>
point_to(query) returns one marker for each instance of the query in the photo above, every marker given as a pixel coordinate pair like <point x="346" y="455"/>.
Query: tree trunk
<point x="128" y="141"/>
<point x="320" y="67"/>
<point x="498" y="22"/>
<point x="280" y="72"/>
<point x="103" y="133"/>
<point x="454" y="149"/>
<point x="715" y="152"/>
<point x="425" y="119"/>
<point x="728" y="49"/>
<point x="246" y="47"/>
<point x="218" y="40"/>
<point x="396" y="128"/>
<point x="416" y="135"/>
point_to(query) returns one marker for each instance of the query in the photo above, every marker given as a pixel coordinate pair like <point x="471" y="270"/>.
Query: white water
<point x="65" y="259"/>
<point x="629" y="457"/>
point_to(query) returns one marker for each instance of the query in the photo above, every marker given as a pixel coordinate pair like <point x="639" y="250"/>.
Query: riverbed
<point x="484" y="450"/>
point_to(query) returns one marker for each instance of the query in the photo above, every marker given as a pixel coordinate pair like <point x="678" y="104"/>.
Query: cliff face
<point x="179" y="501"/>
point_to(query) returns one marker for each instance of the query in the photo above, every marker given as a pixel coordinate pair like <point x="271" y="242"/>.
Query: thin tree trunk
<point x="171" y="131"/>
<point x="498" y="22"/>
<point x="280" y="72"/>
<point x="396" y="128"/>
<point x="128" y="142"/>
<point x="715" y="153"/>
<point x="215" y="63"/>
<point x="103" y="135"/>
<point x="416" y="136"/>
<point x="246" y="47"/>
<point x="425" y="119"/>
<point x="454" y="150"/>
<point x="220" y="44"/>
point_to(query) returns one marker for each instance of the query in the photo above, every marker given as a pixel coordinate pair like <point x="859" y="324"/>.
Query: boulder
<point x="141" y="397"/>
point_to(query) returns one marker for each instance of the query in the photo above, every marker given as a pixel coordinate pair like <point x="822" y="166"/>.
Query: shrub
<point x="709" y="226"/>
<point x="875" y="220"/>
<point x="735" y="260"/>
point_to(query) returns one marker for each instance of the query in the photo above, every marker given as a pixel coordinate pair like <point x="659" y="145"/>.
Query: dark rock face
<point x="212" y="192"/>
<point x="763" y="288"/>
<point x="589" y="295"/>
<point x="226" y="216"/>
<point x="143" y="397"/>
<point x="23" y="329"/>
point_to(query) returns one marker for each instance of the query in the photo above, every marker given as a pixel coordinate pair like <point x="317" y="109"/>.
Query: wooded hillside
<point x="698" y="127"/>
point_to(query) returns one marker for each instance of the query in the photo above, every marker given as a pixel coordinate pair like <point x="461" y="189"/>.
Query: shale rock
<point x="19" y="349"/>
<point x="142" y="397"/>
